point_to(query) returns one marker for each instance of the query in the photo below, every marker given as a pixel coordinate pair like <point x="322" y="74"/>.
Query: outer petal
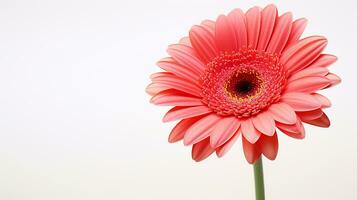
<point x="251" y="151"/>
<point x="316" y="71"/>
<point x="253" y="20"/>
<point x="201" y="129"/>
<point x="269" y="146"/>
<point x="224" y="130"/>
<point x="177" y="113"/>
<point x="201" y="150"/>
<point x="180" y="129"/>
<point x="264" y="123"/>
<point x="170" y="65"/>
<point x="303" y="53"/>
<point x="237" y="19"/>
<point x="283" y="113"/>
<point x="297" y="29"/>
<point x="269" y="15"/>
<point x="324" y="101"/>
<point x="203" y="42"/>
<point x="322" y="121"/>
<point x="175" y="82"/>
<point x="296" y="131"/>
<point x="249" y="132"/>
<point x="310" y="115"/>
<point x="222" y="150"/>
<point x="334" y="79"/>
<point x="301" y="101"/>
<point x="185" y="41"/>
<point x="186" y="56"/>
<point x="281" y="33"/>
<point x="175" y="98"/>
<point x="209" y="25"/>
<point x="307" y="84"/>
<point x="324" y="60"/>
<point x="225" y="34"/>
<point x="154" y="88"/>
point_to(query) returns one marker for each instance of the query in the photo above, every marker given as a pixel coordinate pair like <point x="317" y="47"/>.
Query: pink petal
<point x="237" y="19"/>
<point x="269" y="146"/>
<point x="224" y="130"/>
<point x="324" y="101"/>
<point x="310" y="115"/>
<point x="264" y="123"/>
<point x="180" y="129"/>
<point x="307" y="84"/>
<point x="175" y="98"/>
<point x="324" y="60"/>
<point x="178" y="83"/>
<point x="222" y="150"/>
<point x="253" y="18"/>
<point x="185" y="41"/>
<point x="297" y="29"/>
<point x="210" y="26"/>
<point x="249" y="132"/>
<point x="225" y="34"/>
<point x="269" y="15"/>
<point x="296" y="130"/>
<point x="301" y="101"/>
<point x="177" y="113"/>
<point x="283" y="113"/>
<point x="251" y="151"/>
<point x="334" y="79"/>
<point x="316" y="71"/>
<point x="201" y="129"/>
<point x="186" y="56"/>
<point x="203" y="42"/>
<point x="201" y="150"/>
<point x="154" y="88"/>
<point x="303" y="53"/>
<point x="170" y="65"/>
<point x="322" y="121"/>
<point x="281" y="33"/>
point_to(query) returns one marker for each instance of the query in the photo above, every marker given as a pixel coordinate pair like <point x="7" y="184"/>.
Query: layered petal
<point x="175" y="98"/>
<point x="264" y="123"/>
<point x="269" y="146"/>
<point x="237" y="19"/>
<point x="297" y="29"/>
<point x="307" y="84"/>
<point x="186" y="56"/>
<point x="170" y="65"/>
<point x="324" y="101"/>
<point x="201" y="150"/>
<point x="281" y="33"/>
<point x="301" y="101"/>
<point x="282" y="113"/>
<point x="310" y="115"/>
<point x="296" y="130"/>
<point x="225" y="34"/>
<point x="303" y="53"/>
<point x="178" y="132"/>
<point x="308" y="72"/>
<point x="249" y="132"/>
<point x="222" y="150"/>
<point x="268" y="17"/>
<point x="224" y="130"/>
<point x="251" y="151"/>
<point x="324" y="60"/>
<point x="201" y="129"/>
<point x="177" y="113"/>
<point x="203" y="41"/>
<point x="322" y="121"/>
<point x="333" y="78"/>
<point x="253" y="20"/>
<point x="178" y="83"/>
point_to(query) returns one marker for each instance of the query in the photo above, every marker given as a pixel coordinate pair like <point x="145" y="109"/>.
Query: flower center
<point x="242" y="83"/>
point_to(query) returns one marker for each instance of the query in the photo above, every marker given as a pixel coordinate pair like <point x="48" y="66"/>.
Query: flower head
<point x="244" y="75"/>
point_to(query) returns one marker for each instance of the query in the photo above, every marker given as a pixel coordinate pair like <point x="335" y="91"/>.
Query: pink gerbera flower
<point x="245" y="74"/>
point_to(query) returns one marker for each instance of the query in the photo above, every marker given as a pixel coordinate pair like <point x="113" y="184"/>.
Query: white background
<point x="75" y="122"/>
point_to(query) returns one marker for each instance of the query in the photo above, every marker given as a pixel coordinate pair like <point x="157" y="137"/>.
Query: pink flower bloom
<point x="245" y="74"/>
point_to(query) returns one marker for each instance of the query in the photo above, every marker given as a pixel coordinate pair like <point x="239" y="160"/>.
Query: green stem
<point x="259" y="179"/>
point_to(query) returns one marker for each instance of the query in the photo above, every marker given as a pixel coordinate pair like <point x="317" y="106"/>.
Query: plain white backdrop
<point x="75" y="122"/>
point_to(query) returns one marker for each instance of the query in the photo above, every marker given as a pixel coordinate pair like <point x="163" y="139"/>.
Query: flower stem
<point x="259" y="179"/>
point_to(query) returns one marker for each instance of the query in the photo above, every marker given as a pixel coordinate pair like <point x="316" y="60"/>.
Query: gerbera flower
<point x="244" y="75"/>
